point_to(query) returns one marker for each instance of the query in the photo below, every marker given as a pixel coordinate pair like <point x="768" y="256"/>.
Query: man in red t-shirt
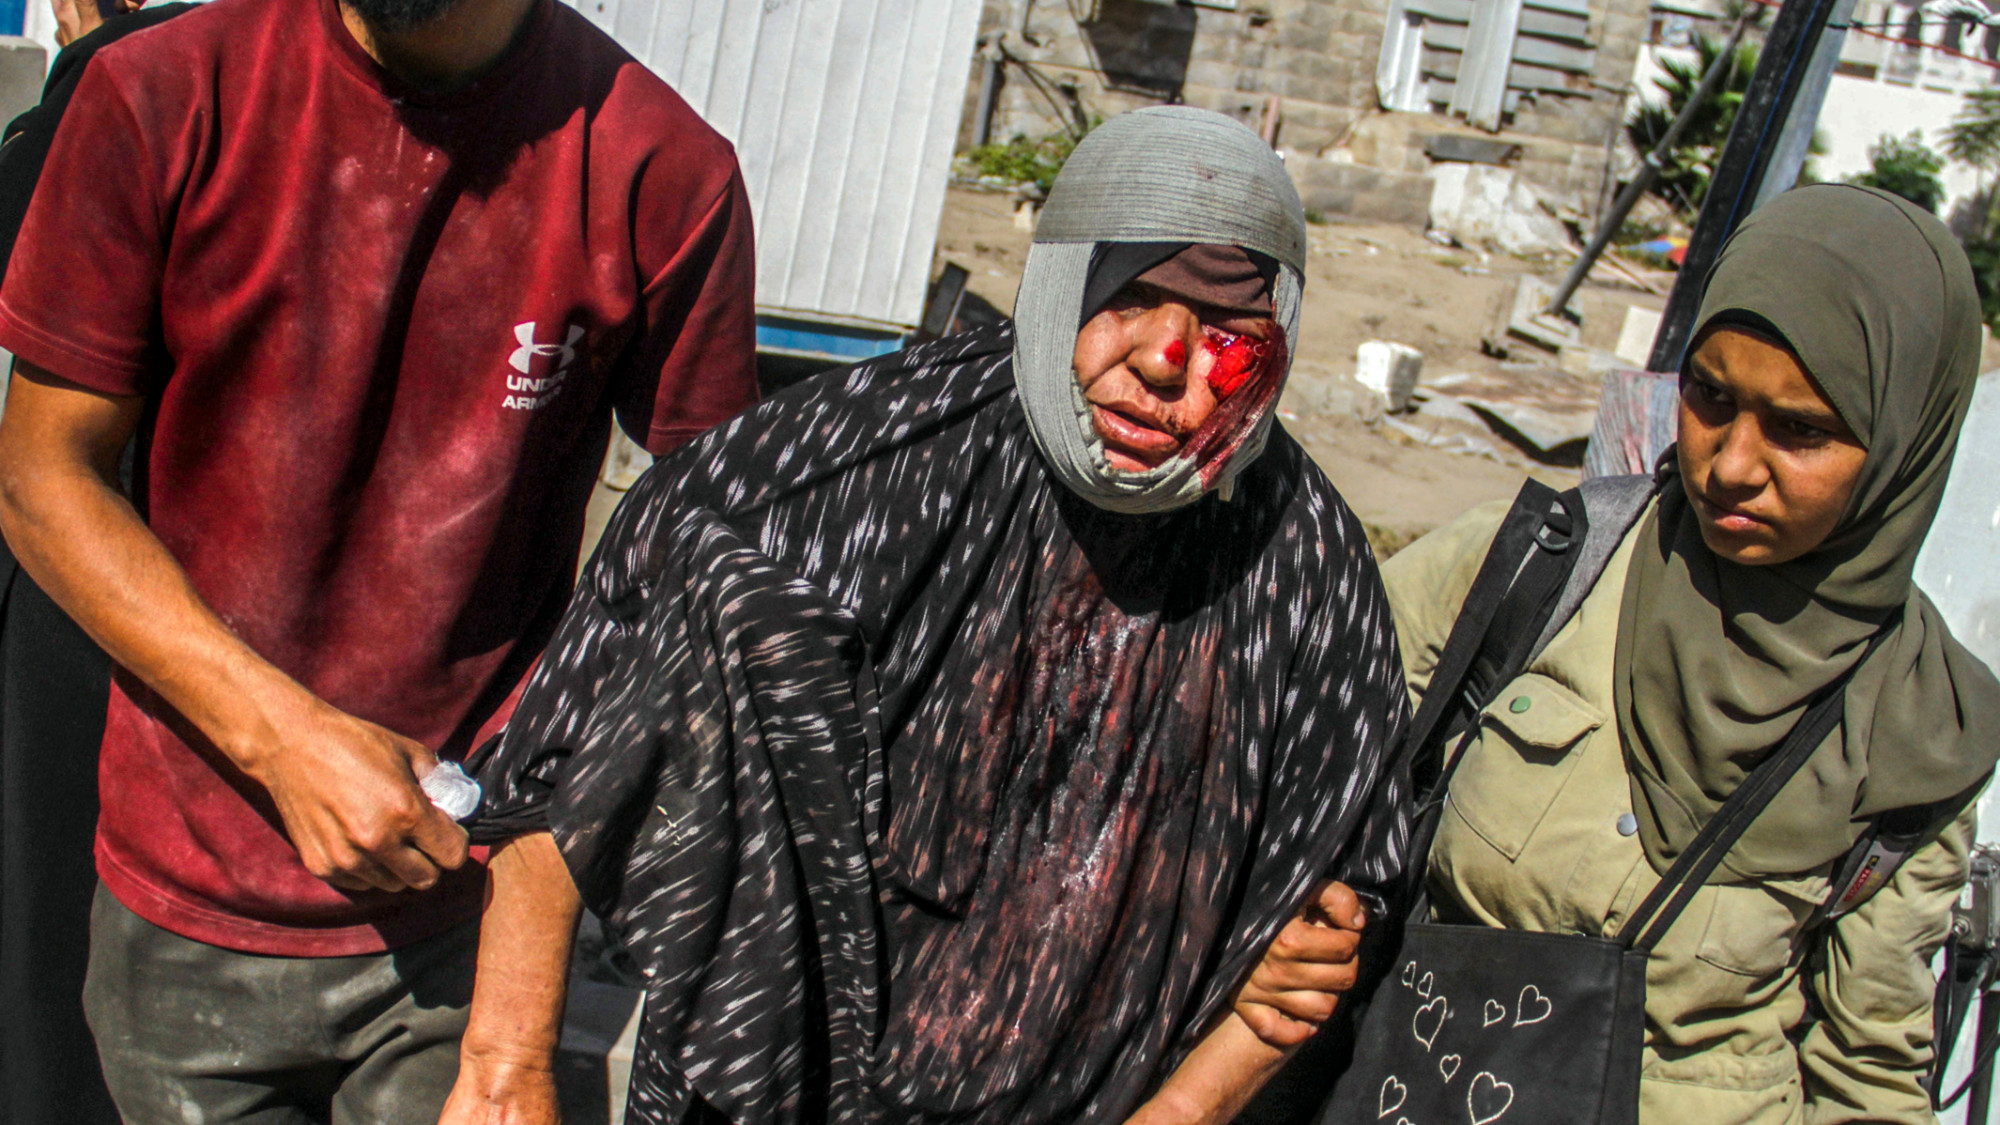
<point x="368" y="279"/>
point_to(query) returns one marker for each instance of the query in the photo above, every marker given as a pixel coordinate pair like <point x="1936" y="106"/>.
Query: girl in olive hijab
<point x="1834" y="361"/>
<point x="1716" y="661"/>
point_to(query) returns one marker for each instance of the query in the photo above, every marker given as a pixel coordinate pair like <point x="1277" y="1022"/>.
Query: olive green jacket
<point x="1537" y="835"/>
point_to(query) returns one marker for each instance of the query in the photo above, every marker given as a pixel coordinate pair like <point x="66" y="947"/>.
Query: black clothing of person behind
<point x="53" y="687"/>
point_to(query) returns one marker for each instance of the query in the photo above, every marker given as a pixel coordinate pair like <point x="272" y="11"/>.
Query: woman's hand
<point x="506" y="1062"/>
<point x="500" y="1091"/>
<point x="1310" y="963"/>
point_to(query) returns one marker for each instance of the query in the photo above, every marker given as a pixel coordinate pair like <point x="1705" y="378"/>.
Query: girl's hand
<point x="1309" y="965"/>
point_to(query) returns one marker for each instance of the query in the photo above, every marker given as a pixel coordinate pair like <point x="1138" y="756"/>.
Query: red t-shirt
<point x="381" y="334"/>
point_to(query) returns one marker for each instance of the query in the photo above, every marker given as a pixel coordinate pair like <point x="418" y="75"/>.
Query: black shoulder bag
<point x="1476" y="1025"/>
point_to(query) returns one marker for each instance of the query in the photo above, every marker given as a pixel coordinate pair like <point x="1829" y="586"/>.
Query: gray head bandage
<point x="1166" y="174"/>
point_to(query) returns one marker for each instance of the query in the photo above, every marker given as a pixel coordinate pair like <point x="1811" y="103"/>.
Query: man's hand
<point x="346" y="789"/>
<point x="78" y="18"/>
<point x="1310" y="963"/>
<point x="349" y="795"/>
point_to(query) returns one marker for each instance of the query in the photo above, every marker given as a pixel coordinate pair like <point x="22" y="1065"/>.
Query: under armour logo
<point x="525" y="355"/>
<point x="528" y="391"/>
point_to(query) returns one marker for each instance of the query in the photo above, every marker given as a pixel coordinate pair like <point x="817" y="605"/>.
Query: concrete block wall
<point x="1583" y="121"/>
<point x="24" y="63"/>
<point x="1318" y="56"/>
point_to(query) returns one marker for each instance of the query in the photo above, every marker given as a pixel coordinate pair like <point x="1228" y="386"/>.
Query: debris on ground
<point x="1544" y="411"/>
<point x="1527" y="318"/>
<point x="1389" y="369"/>
<point x="1485" y="205"/>
<point x="1635" y="336"/>
<point x="1636" y="416"/>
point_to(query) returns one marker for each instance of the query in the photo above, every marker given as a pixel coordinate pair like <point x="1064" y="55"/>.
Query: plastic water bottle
<point x="448" y="787"/>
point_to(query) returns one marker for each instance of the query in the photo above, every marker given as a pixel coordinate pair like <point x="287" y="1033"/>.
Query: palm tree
<point x="1973" y="138"/>
<point x="1684" y="174"/>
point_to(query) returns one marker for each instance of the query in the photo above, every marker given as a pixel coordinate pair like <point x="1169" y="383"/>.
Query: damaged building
<point x="1364" y="96"/>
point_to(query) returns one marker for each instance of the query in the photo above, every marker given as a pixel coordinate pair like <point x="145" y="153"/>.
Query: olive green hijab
<point x="1716" y="661"/>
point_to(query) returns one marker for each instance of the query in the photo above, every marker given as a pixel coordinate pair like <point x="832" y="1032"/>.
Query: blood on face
<point x="1237" y="359"/>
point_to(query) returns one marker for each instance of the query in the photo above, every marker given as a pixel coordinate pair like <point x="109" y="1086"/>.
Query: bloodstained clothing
<point x="923" y="790"/>
<point x="381" y="334"/>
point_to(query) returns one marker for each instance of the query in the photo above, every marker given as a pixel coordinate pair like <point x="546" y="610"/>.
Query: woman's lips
<point x="1727" y="519"/>
<point x="1132" y="436"/>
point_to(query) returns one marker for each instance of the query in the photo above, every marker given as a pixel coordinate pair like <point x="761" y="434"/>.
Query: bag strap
<point x="1510" y="600"/>
<point x="1613" y="505"/>
<point x="1690" y="872"/>
<point x="1525" y="564"/>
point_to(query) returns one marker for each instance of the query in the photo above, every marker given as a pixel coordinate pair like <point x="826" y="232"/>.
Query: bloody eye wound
<point x="1237" y="360"/>
<point x="1175" y="353"/>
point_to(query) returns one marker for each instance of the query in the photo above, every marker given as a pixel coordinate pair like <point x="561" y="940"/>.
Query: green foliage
<point x="1636" y="229"/>
<point x="1973" y="137"/>
<point x="1685" y="171"/>
<point x="1905" y="166"/>
<point x="1022" y="161"/>
<point x="1985" y="256"/>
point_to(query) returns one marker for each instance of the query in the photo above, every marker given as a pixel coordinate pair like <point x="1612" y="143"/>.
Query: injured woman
<point x="949" y="737"/>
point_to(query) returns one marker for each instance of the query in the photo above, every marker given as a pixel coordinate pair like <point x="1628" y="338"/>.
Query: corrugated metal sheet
<point x="843" y="113"/>
<point x="1534" y="21"/>
<point x="1480" y="90"/>
<point x="1550" y="52"/>
<point x="1529" y="49"/>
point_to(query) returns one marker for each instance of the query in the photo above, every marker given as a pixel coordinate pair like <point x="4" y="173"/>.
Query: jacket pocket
<point x="1752" y="926"/>
<point x="1521" y="760"/>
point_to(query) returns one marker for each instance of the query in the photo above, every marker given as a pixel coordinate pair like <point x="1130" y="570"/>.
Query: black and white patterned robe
<point x="920" y="789"/>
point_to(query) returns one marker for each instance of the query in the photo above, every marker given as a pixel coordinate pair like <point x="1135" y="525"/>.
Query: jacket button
<point x="1520" y="704"/>
<point x="1628" y="824"/>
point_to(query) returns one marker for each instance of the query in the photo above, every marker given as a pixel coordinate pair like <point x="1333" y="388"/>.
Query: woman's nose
<point x="1160" y="345"/>
<point x="1739" y="462"/>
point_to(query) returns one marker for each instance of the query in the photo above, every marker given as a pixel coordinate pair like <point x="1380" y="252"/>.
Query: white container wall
<point x="1956" y="569"/>
<point x="843" y="113"/>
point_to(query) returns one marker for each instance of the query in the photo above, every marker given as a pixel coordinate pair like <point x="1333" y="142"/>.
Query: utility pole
<point x="1649" y="170"/>
<point x="1777" y="95"/>
<point x="1796" y="142"/>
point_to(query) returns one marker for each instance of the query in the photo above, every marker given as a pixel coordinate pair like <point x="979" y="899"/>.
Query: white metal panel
<point x="1530" y="49"/>
<point x="40" y="25"/>
<point x="1399" y="71"/>
<point x="843" y="113"/>
<point x="1534" y="21"/>
<point x="1483" y="75"/>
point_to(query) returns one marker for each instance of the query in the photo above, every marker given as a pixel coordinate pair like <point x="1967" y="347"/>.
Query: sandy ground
<point x="1369" y="281"/>
<point x="1403" y="476"/>
<point x="1364" y="281"/>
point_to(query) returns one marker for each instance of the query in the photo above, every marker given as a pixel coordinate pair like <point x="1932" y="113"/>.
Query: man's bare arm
<point x="345" y="788"/>
<point x="506" y="1073"/>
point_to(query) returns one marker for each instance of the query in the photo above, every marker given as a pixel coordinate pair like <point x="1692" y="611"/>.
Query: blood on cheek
<point x="1237" y="360"/>
<point x="1175" y="353"/>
